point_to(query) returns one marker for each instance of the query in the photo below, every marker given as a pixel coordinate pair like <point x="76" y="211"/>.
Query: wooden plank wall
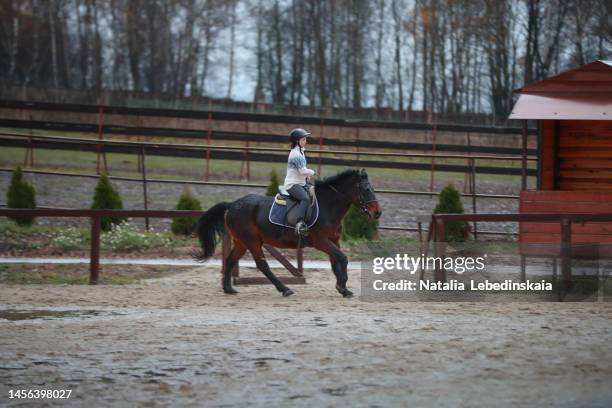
<point x="584" y="155"/>
<point x="565" y="202"/>
<point x="548" y="153"/>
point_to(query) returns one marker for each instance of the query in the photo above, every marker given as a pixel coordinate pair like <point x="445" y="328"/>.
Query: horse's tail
<point x="210" y="226"/>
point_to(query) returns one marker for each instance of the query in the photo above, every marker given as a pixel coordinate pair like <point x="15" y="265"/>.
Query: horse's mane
<point x="337" y="178"/>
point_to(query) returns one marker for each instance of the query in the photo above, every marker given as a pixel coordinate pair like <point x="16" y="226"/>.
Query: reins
<point x="362" y="202"/>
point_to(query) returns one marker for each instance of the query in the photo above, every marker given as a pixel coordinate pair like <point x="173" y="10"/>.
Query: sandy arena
<point x="179" y="341"/>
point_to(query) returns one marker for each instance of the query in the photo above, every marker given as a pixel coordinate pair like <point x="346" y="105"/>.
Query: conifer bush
<point x="186" y="225"/>
<point x="449" y="202"/>
<point x="106" y="197"/>
<point x="357" y="224"/>
<point x="273" y="186"/>
<point x="21" y="194"/>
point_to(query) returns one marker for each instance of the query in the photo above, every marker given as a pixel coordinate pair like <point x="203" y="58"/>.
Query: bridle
<point x="362" y="193"/>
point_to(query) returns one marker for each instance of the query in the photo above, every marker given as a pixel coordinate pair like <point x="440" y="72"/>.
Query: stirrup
<point x="301" y="229"/>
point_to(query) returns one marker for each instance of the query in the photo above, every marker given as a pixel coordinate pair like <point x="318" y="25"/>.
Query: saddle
<point x="284" y="210"/>
<point x="286" y="199"/>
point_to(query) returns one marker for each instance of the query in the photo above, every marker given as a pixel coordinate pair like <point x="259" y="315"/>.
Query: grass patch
<point x="121" y="238"/>
<point x="13" y="236"/>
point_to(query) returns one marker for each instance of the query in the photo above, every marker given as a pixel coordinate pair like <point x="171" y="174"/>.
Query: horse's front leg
<point x="339" y="263"/>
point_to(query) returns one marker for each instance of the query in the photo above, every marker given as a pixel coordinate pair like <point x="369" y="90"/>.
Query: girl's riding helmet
<point x="296" y="134"/>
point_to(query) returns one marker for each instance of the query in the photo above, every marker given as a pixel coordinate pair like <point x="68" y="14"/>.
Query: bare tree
<point x="317" y="13"/>
<point x="397" y="30"/>
<point x="52" y="9"/>
<point x="135" y="40"/>
<point x="9" y="38"/>
<point x="500" y="54"/>
<point x="259" y="53"/>
<point x="380" y="84"/>
<point x="232" y="17"/>
<point x="415" y="54"/>
<point x="442" y="55"/>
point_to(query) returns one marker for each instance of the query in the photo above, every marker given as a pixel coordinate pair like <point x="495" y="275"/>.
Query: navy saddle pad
<point x="278" y="213"/>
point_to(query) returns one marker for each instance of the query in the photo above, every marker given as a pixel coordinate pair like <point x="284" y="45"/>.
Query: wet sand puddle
<point x="16" y="315"/>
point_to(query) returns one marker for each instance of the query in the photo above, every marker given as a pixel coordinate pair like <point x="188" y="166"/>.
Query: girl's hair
<point x="293" y="144"/>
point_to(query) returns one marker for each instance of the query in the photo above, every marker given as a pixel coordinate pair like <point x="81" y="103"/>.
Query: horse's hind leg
<point x="262" y="265"/>
<point x="232" y="259"/>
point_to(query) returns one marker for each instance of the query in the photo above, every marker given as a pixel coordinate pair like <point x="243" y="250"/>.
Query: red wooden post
<point x="357" y="144"/>
<point x="144" y="184"/>
<point x="467" y="177"/>
<point x="139" y="161"/>
<point x="248" y="163"/>
<point x="524" y="157"/>
<point x="94" y="257"/>
<point x="440" y="250"/>
<point x="473" y="183"/>
<point x="431" y="234"/>
<point x="433" y="159"/>
<point x="209" y="138"/>
<point x="31" y="147"/>
<point x="29" y="156"/>
<point x="138" y="139"/>
<point x="420" y="231"/>
<point x="100" y="146"/>
<point x="566" y="251"/>
<point x="320" y="147"/>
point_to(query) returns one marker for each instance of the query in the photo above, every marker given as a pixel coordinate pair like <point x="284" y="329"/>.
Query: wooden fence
<point x="565" y="248"/>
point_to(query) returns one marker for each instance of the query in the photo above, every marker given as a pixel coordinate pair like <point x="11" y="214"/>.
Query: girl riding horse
<point x="246" y="220"/>
<point x="297" y="174"/>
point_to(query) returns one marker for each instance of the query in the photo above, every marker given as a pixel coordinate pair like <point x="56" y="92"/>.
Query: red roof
<point x="581" y="93"/>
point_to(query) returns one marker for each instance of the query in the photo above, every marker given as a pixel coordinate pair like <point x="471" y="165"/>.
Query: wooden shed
<point x="574" y="114"/>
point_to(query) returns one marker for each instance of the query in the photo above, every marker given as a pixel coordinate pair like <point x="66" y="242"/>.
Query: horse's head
<point x="355" y="186"/>
<point x="364" y="196"/>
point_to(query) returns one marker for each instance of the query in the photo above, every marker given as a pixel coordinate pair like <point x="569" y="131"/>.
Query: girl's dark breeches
<point x="299" y="192"/>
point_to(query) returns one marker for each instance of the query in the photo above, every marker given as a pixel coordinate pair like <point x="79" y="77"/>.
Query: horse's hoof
<point x="344" y="291"/>
<point x="288" y="292"/>
<point x="230" y="291"/>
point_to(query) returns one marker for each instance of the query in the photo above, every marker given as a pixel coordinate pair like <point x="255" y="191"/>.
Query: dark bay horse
<point x="246" y="220"/>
